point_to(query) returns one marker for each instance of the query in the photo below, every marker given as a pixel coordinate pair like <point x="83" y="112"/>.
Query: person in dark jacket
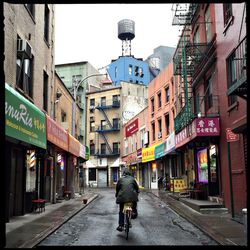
<point x="127" y="190"/>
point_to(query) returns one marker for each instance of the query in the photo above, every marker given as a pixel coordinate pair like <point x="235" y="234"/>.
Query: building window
<point x="153" y="131"/>
<point x="24" y="70"/>
<point x="141" y="72"/>
<point x="46" y="23"/>
<point x="116" y="148"/>
<point x="92" y="102"/>
<point x="92" y="149"/>
<point x="63" y="116"/>
<point x="103" y="148"/>
<point x="159" y="129"/>
<point x="167" y="125"/>
<point x="130" y="69"/>
<point x="116" y="123"/>
<point x="45" y="91"/>
<point x="232" y="78"/>
<point x="167" y="94"/>
<point x="92" y="126"/>
<point x="103" y="124"/>
<point x="136" y="70"/>
<point x="159" y="100"/>
<point x="103" y="101"/>
<point x="152" y="105"/>
<point x="115" y="99"/>
<point x="227" y="12"/>
<point x="208" y="96"/>
<point x="142" y="132"/>
<point x="208" y="24"/>
<point x="31" y="8"/>
<point x="92" y="174"/>
<point x="116" y="72"/>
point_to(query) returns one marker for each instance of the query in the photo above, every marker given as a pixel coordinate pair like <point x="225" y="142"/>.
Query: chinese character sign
<point x="207" y="126"/>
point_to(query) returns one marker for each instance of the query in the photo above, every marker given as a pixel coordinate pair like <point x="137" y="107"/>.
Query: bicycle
<point x="127" y="210"/>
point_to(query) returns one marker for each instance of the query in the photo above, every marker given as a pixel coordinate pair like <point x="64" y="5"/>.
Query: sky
<point x="89" y="32"/>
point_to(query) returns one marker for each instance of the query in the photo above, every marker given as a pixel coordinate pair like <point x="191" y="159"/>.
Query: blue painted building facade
<point x="129" y="69"/>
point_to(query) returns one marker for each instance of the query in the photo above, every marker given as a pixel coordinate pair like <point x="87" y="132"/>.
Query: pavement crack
<point x="183" y="229"/>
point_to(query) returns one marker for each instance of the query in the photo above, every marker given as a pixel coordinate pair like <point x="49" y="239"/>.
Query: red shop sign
<point x="131" y="128"/>
<point x="56" y="134"/>
<point x="231" y="136"/>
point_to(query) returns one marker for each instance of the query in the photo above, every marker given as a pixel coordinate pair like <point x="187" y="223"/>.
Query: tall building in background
<point x="81" y="76"/>
<point x="160" y="58"/>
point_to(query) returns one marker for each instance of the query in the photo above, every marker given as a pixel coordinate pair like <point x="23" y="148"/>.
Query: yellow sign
<point x="148" y="154"/>
<point x="179" y="185"/>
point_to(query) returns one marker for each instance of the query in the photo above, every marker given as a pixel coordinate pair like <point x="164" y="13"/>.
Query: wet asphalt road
<point x="156" y="224"/>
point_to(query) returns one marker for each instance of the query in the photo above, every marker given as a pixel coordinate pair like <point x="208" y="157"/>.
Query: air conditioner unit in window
<point x="91" y="107"/>
<point x="159" y="135"/>
<point x="24" y="48"/>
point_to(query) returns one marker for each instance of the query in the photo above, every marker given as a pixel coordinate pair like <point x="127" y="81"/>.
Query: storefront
<point x="148" y="160"/>
<point x="198" y="143"/>
<point x="72" y="170"/>
<point x="25" y="130"/>
<point x="54" y="177"/>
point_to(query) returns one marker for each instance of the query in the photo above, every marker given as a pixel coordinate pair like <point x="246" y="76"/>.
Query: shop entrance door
<point x="213" y="171"/>
<point x="16" y="183"/>
<point x="102" y="178"/>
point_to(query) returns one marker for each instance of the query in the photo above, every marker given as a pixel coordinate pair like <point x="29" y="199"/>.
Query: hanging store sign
<point x="159" y="151"/>
<point x="169" y="144"/>
<point x="56" y="134"/>
<point x="23" y="120"/>
<point x="82" y="151"/>
<point x="131" y="128"/>
<point x="74" y="145"/>
<point x="231" y="136"/>
<point x="181" y="138"/>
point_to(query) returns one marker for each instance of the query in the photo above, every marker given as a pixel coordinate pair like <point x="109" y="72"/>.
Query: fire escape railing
<point x="237" y="63"/>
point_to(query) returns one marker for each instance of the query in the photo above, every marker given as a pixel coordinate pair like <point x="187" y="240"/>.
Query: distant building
<point x="74" y="73"/>
<point x="161" y="57"/>
<point x="129" y="69"/>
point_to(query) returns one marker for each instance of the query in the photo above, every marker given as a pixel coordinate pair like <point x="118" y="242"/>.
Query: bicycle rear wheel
<point x="127" y="225"/>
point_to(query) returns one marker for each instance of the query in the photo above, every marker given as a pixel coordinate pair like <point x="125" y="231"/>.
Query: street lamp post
<point x="75" y="89"/>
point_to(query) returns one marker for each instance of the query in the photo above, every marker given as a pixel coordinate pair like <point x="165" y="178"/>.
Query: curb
<point x="35" y="241"/>
<point x="193" y="220"/>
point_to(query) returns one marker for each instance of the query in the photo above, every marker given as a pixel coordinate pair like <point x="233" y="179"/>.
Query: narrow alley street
<point x="156" y="224"/>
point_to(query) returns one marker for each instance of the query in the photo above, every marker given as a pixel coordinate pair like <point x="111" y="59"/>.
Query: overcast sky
<point x="89" y="32"/>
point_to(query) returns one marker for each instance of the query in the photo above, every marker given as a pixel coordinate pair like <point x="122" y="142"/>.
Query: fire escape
<point x="190" y="60"/>
<point x="104" y="130"/>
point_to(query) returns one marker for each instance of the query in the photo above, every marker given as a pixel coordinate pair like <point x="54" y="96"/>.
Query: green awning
<point x="23" y="120"/>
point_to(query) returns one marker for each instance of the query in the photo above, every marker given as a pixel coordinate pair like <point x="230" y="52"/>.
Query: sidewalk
<point x="220" y="227"/>
<point x="21" y="233"/>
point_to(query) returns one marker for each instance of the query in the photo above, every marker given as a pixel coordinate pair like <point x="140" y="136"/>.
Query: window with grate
<point x="116" y="148"/>
<point x="92" y="149"/>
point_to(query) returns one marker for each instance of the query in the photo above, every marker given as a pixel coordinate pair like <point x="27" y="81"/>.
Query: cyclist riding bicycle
<point x="127" y="190"/>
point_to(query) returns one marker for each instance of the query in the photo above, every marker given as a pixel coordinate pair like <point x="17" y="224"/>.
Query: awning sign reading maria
<point x="23" y="120"/>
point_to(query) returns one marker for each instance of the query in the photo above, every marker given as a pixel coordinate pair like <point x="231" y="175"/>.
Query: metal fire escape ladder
<point x="106" y="118"/>
<point x="106" y="141"/>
